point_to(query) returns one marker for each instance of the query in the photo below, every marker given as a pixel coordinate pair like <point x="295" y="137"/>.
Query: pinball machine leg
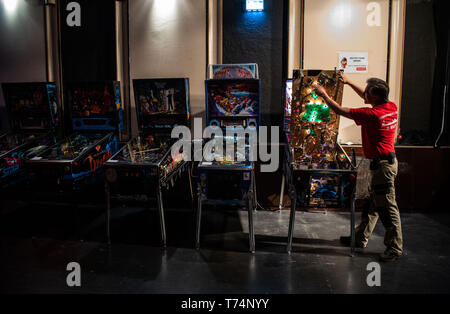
<point x="293" y="196"/>
<point x="280" y="206"/>
<point x="2" y="201"/>
<point x="251" y="230"/>
<point x="198" y="222"/>
<point x="254" y="195"/>
<point x="108" y="213"/>
<point x="159" y="202"/>
<point x="352" y="224"/>
<point x="190" y="184"/>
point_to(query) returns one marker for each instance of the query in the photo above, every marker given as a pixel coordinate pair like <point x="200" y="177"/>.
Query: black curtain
<point x="442" y="72"/>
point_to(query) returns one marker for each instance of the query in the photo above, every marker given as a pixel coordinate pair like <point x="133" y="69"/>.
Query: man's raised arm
<point x="358" y="89"/>
<point x="343" y="111"/>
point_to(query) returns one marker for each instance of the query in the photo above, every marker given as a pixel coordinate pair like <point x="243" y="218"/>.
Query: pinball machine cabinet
<point x="144" y="167"/>
<point x="33" y="116"/>
<point x="316" y="170"/>
<point x="224" y="178"/>
<point x="76" y="162"/>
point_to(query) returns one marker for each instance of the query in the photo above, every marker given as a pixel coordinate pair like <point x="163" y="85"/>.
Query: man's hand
<point x="320" y="90"/>
<point x="343" y="78"/>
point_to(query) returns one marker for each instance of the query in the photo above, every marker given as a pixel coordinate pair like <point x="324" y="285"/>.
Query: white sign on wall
<point x="353" y="62"/>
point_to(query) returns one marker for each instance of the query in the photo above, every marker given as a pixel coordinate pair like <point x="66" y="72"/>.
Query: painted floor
<point x="37" y="243"/>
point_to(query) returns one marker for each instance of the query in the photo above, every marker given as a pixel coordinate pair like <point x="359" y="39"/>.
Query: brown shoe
<point x="389" y="256"/>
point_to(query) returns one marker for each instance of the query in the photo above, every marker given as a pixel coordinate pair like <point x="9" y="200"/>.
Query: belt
<point x="386" y="157"/>
<point x="390" y="157"/>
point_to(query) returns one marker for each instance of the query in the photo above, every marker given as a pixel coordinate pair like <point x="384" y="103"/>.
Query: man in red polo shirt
<point x="378" y="125"/>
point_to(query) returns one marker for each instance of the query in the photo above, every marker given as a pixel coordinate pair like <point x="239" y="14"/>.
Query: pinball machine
<point x="33" y="115"/>
<point x="144" y="167"/>
<point x="76" y="162"/>
<point x="226" y="175"/>
<point x="316" y="170"/>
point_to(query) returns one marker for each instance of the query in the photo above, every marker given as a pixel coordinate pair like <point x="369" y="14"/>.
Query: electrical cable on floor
<point x="260" y="206"/>
<point x="256" y="197"/>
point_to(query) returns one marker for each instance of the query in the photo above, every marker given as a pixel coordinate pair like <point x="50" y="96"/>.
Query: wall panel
<point x="333" y="26"/>
<point x="22" y="48"/>
<point x="168" y="39"/>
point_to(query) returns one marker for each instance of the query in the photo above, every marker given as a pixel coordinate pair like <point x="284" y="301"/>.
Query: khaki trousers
<point x="382" y="204"/>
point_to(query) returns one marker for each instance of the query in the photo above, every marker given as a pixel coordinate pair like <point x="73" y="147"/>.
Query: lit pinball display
<point x="222" y="157"/>
<point x="314" y="127"/>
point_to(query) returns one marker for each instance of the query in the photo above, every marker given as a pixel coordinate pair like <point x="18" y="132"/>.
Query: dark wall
<point x="88" y="52"/>
<point x="259" y="37"/>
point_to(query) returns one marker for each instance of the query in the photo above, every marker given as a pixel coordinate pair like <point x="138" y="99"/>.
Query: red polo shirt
<point x="378" y="126"/>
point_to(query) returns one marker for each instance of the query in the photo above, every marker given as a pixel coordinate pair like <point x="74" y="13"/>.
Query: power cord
<point x="256" y="196"/>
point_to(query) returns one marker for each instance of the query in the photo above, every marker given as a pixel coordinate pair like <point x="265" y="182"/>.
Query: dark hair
<point x="378" y="87"/>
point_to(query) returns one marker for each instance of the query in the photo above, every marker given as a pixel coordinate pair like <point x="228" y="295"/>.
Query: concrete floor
<point x="38" y="242"/>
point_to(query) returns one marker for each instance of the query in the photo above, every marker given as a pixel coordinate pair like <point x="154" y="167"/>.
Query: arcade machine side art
<point x="232" y="103"/>
<point x="287" y="105"/>
<point x="317" y="170"/>
<point x="76" y="162"/>
<point x="33" y="115"/>
<point x="144" y="167"/>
